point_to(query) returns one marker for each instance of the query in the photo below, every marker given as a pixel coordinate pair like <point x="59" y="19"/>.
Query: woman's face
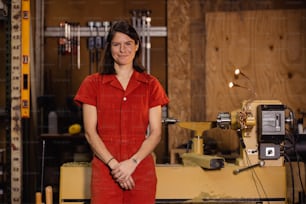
<point x="123" y="49"/>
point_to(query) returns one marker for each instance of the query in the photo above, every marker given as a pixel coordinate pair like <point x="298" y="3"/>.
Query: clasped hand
<point x="122" y="174"/>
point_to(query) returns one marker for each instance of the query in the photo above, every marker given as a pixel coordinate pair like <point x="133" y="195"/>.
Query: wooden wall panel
<point x="179" y="68"/>
<point x="268" y="46"/>
<point x="3" y="59"/>
<point x="197" y="60"/>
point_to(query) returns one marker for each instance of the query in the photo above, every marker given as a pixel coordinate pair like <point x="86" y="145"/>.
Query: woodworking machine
<point x="257" y="175"/>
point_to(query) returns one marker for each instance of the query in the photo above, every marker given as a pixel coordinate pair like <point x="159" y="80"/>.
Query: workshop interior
<point x="234" y="71"/>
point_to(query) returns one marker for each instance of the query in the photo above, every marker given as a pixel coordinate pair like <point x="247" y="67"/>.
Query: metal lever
<point x="260" y="163"/>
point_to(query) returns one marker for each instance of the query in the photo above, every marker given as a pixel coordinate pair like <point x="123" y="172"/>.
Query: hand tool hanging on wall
<point x="148" y="41"/>
<point x="143" y="38"/>
<point x="138" y="22"/>
<point x="98" y="44"/>
<point x="134" y="18"/>
<point x="72" y="44"/>
<point x="61" y="44"/>
<point x="75" y="43"/>
<point x="68" y="37"/>
<point x="61" y="39"/>
<point x="141" y="21"/>
<point x="78" y="46"/>
<point x="69" y="41"/>
<point x="91" y="47"/>
<point x="106" y="26"/>
<point x="138" y="19"/>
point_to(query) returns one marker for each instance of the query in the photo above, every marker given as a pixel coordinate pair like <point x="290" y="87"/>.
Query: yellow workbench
<point x="178" y="184"/>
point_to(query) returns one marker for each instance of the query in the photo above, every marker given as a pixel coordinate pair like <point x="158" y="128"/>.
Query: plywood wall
<point x="205" y="47"/>
<point x="269" y="47"/>
<point x="179" y="69"/>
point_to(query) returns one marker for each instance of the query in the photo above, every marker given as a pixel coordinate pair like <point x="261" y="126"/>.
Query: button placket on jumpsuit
<point x="129" y="110"/>
<point x="130" y="128"/>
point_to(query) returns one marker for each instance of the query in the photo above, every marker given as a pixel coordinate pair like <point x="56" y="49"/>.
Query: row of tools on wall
<point x="69" y="42"/>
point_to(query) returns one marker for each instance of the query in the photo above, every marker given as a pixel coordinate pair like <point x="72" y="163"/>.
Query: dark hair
<point x="107" y="66"/>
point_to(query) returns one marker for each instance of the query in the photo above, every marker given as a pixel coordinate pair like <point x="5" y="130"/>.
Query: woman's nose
<point x="122" y="47"/>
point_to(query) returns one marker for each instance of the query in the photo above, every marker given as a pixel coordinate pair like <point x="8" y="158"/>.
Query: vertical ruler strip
<point x="16" y="133"/>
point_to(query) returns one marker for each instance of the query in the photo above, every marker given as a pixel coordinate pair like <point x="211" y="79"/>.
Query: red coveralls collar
<point x="135" y="80"/>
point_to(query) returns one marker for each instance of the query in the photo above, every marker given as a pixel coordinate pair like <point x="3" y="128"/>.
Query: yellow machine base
<point x="191" y="184"/>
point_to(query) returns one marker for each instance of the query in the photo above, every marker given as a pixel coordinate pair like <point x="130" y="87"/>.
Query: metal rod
<point x="78" y="47"/>
<point x="156" y="31"/>
<point x="42" y="165"/>
<point x="260" y="163"/>
<point x="143" y="40"/>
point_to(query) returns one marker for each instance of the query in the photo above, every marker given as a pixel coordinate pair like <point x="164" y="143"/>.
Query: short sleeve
<point x="87" y="92"/>
<point x="157" y="94"/>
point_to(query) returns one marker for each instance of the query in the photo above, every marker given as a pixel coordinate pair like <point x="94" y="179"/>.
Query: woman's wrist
<point x="135" y="161"/>
<point x="108" y="161"/>
<point x="111" y="163"/>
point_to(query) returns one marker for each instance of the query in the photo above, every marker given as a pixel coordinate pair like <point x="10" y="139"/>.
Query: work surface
<point x="177" y="183"/>
<point x="196" y="184"/>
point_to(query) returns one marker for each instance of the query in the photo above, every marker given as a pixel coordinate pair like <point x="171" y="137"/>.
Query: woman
<point x="118" y="105"/>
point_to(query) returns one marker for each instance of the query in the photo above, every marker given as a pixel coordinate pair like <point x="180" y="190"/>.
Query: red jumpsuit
<point x="123" y="117"/>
